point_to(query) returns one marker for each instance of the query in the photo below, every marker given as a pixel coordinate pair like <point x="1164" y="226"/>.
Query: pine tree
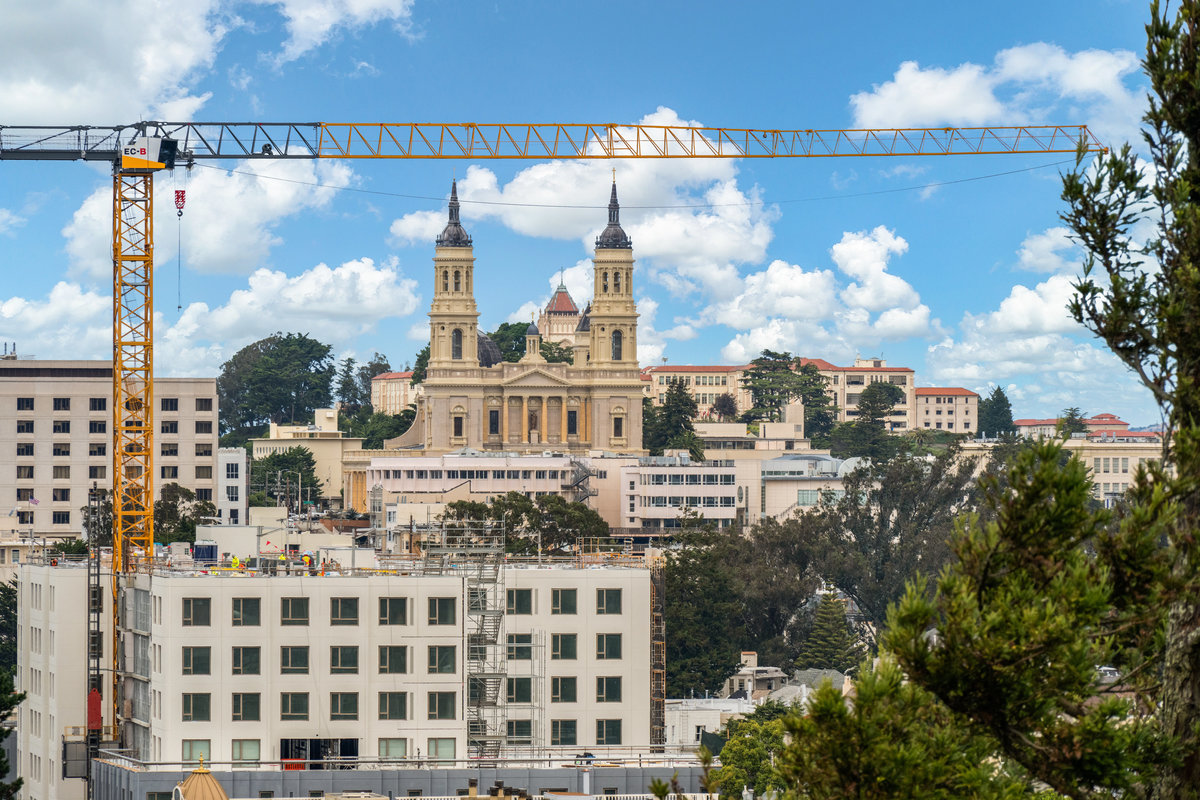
<point x="995" y="414"/>
<point x="830" y="643"/>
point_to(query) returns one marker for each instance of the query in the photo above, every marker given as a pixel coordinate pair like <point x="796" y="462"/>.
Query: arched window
<point x="445" y="280"/>
<point x="616" y="345"/>
<point x="605" y="286"/>
<point x="456" y="344"/>
<point x="617" y="282"/>
<point x="457" y="281"/>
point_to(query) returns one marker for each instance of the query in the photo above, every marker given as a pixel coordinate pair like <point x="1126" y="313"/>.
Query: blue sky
<point x="961" y="275"/>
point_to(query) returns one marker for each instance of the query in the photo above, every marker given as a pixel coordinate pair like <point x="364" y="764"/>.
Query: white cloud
<point x="1042" y="252"/>
<point x="579" y="282"/>
<point x="690" y="222"/>
<point x="214" y="240"/>
<point x="781" y="290"/>
<point x="9" y="220"/>
<point x="527" y="312"/>
<point x="311" y="23"/>
<point x="1037" y="83"/>
<point x="864" y="257"/>
<point x="331" y="304"/>
<point x="110" y="62"/>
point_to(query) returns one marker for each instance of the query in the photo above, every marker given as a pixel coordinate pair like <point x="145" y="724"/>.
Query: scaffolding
<point x="658" y="655"/>
<point x="476" y="552"/>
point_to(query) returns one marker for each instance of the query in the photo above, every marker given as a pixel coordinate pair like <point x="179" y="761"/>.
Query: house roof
<point x="825" y="366"/>
<point x="1094" y="422"/>
<point x="957" y="391"/>
<point x="697" y="368"/>
<point x="385" y="376"/>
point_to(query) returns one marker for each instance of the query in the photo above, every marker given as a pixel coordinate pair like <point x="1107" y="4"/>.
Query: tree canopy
<point x="282" y="378"/>
<point x="275" y="476"/>
<point x="868" y="436"/>
<point x="995" y="414"/>
<point x="772" y="382"/>
<point x="671" y="425"/>
<point x="724" y="406"/>
<point x="830" y="643"/>
<point x="557" y="524"/>
<point x="177" y="513"/>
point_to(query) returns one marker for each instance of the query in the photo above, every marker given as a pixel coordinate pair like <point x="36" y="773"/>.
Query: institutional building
<point x="560" y="318"/>
<point x="471" y="398"/>
<point x="328" y="445"/>
<point x="56" y="436"/>
<point x="948" y="408"/>
<point x="392" y="392"/>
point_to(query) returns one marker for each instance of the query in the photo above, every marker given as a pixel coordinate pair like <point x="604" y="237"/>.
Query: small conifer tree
<point x="830" y="643"/>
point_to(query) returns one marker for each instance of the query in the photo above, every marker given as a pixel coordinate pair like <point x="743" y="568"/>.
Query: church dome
<point x="200" y="785"/>
<point x="454" y="234"/>
<point x="489" y="352"/>
<point x="532" y="330"/>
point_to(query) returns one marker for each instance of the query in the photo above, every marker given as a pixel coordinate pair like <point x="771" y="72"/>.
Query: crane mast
<point x="138" y="150"/>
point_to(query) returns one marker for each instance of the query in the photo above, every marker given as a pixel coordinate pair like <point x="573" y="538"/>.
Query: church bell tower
<point x="613" y="317"/>
<point x="453" y="317"/>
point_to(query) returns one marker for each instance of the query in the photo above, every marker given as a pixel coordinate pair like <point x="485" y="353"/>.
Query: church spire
<point x="454" y="235"/>
<point x="614" y="236"/>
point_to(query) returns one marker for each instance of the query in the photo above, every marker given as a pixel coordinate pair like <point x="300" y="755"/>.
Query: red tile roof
<point x="957" y="391"/>
<point x="825" y="366"/>
<point x="561" y="303"/>
<point x="697" y="368"/>
<point x="383" y="376"/>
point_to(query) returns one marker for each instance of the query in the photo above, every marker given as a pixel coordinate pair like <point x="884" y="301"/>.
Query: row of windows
<point x="700" y="380"/>
<point x="57" y="495"/>
<point x="197" y="611"/>
<point x="101" y="426"/>
<point x="101" y="449"/>
<point x="949" y="425"/>
<point x="56" y="517"/>
<point x="690" y="502"/>
<point x="101" y="403"/>
<point x="1102" y="465"/>
<point x="947" y="400"/>
<point x="949" y="412"/>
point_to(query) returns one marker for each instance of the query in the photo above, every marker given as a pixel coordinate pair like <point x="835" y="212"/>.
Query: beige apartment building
<point x="705" y="382"/>
<point x="949" y="408"/>
<point x="392" y="392"/>
<point x="323" y="439"/>
<point x="56" y="435"/>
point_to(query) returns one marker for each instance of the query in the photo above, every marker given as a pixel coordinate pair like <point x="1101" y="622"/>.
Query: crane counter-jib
<point x="309" y="140"/>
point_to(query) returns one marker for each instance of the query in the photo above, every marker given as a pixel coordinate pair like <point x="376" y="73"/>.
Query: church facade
<point x="472" y="399"/>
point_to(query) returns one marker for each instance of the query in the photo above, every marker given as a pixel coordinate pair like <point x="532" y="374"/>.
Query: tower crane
<point x="140" y="149"/>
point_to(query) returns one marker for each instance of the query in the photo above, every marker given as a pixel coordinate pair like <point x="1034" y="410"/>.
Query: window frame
<point x="241" y="607"/>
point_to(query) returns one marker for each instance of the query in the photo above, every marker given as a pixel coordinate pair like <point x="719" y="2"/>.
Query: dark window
<point x="393" y="611"/>
<point x="25" y="472"/>
<point x="493" y="421"/>
<point x="170" y="403"/>
<point x="62" y="404"/>
<point x="169" y="426"/>
<point x="204" y="494"/>
<point x="343" y="660"/>
<point x="60" y="426"/>
<point x="197" y="708"/>
<point x="247" y="611"/>
<point x="520" y="690"/>
<point x="562" y="690"/>
<point x="442" y="705"/>
<point x="441" y="611"/>
<point x="197" y="611"/>
<point x="443" y="658"/>
<point x="618" y="427"/>
<point x="293" y="705"/>
<point x="26" y="449"/>
<point x="169" y="448"/>
<point x="458" y="427"/>
<point x="293" y="611"/>
<point x="60" y="517"/>
<point x="343" y="705"/>
<point x="24" y="404"/>
<point x="293" y="660"/>
<point x="456" y="342"/>
<point x="608" y="731"/>
<point x="96" y="450"/>
<point x="393" y="705"/>
<point x="616" y="345"/>
<point x="204" y="473"/>
<point x="343" y="611"/>
<point x="520" y="731"/>
<point x="98" y="472"/>
<point x="562" y="601"/>
<point x="204" y="427"/>
<point x="197" y="661"/>
<point x="564" y="647"/>
<point x="247" y="660"/>
<point x="572" y="423"/>
<point x="204" y="450"/>
<point x="97" y="426"/>
<point x="170" y="472"/>
<point x="204" y="404"/>
<point x="519" y="601"/>
<point x="562" y="732"/>
<point x="61" y="495"/>
<point x="608" y="689"/>
<point x="393" y="659"/>
<point x="98" y="404"/>
<point x="608" y="646"/>
<point x="608" y="601"/>
<point x="246" y="707"/>
<point x="61" y="449"/>
<point x="24" y="426"/>
<point x="520" y="646"/>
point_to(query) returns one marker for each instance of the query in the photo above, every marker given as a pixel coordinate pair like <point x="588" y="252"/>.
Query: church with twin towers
<point x="473" y="399"/>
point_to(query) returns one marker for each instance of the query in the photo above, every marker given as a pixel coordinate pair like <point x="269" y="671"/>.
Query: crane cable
<point x="180" y="201"/>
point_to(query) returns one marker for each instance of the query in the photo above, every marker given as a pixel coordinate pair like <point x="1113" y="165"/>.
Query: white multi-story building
<point x="56" y="440"/>
<point x="232" y="480"/>
<point x="324" y="440"/>
<point x="363" y="664"/>
<point x="947" y="408"/>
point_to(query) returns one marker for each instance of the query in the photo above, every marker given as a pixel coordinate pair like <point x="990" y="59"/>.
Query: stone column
<point x="507" y="410"/>
<point x="562" y="419"/>
<point x="524" y="420"/>
<point x="587" y="420"/>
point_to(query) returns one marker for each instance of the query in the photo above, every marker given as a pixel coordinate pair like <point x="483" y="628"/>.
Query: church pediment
<point x="534" y="377"/>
